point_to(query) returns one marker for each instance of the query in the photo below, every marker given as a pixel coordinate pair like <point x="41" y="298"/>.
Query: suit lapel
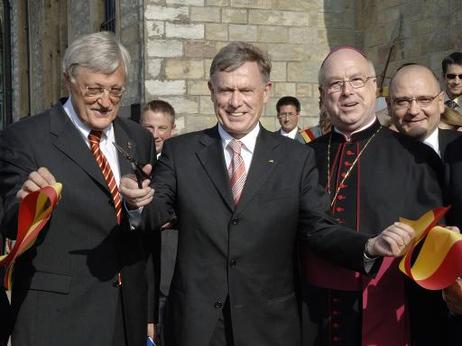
<point x="69" y="141"/>
<point x="212" y="160"/>
<point x="263" y="163"/>
<point x="122" y="138"/>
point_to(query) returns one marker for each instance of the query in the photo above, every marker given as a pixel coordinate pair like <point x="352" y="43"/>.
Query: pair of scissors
<point x="136" y="166"/>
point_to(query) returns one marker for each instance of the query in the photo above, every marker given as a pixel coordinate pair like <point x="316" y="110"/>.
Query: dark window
<point x="5" y="65"/>
<point x="109" y="16"/>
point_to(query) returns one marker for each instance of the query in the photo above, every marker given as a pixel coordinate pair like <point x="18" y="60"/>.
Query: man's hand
<point x="393" y="241"/>
<point x="452" y="295"/>
<point x="152" y="331"/>
<point x="36" y="180"/>
<point x="134" y="196"/>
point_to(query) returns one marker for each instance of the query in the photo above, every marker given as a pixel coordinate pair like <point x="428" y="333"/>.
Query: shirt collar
<point x="457" y="100"/>
<point x="432" y="141"/>
<point x="290" y="134"/>
<point x="84" y="130"/>
<point x="248" y="141"/>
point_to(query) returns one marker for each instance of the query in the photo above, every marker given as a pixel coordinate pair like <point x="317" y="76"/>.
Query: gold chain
<point x="349" y="169"/>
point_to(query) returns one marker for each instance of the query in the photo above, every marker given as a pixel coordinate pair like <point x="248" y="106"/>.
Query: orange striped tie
<point x="236" y="170"/>
<point x="95" y="137"/>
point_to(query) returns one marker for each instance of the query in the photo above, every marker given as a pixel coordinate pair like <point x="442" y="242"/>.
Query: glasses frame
<point x="411" y="99"/>
<point x="339" y="85"/>
<point x="286" y="115"/>
<point x="89" y="95"/>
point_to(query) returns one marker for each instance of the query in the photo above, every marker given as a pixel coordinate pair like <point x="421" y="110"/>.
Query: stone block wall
<point x="410" y="31"/>
<point x="182" y="36"/>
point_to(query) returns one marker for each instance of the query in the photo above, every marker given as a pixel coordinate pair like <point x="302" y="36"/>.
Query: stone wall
<point x="418" y="31"/>
<point x="182" y="36"/>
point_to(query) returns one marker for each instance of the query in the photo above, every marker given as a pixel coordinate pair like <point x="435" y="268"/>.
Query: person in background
<point x="288" y="114"/>
<point x="158" y="117"/>
<point x="416" y="103"/>
<point x="452" y="76"/>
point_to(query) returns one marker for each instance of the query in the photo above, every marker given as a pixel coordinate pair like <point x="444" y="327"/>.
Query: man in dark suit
<point x="416" y="103"/>
<point x="84" y="280"/>
<point x="242" y="195"/>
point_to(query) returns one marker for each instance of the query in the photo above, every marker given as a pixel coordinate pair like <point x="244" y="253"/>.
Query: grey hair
<point x="235" y="54"/>
<point x="100" y="52"/>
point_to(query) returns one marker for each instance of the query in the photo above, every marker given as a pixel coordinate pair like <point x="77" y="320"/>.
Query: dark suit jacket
<point x="5" y="308"/>
<point x="445" y="137"/>
<point x="244" y="254"/>
<point x="452" y="159"/>
<point x="64" y="292"/>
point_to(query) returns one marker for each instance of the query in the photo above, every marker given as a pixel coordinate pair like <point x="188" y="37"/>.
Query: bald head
<point x="416" y="101"/>
<point x="348" y="87"/>
<point x="403" y="77"/>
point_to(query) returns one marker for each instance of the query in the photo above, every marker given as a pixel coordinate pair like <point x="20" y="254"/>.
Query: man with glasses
<point x="288" y="109"/>
<point x="84" y="280"/>
<point x="452" y="75"/>
<point x="373" y="176"/>
<point x="415" y="105"/>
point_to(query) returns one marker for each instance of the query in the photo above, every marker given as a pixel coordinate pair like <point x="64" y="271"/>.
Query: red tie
<point x="95" y="137"/>
<point x="236" y="170"/>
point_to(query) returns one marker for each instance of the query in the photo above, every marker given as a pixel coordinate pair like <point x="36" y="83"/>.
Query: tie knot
<point x="451" y="104"/>
<point x="235" y="146"/>
<point x="95" y="136"/>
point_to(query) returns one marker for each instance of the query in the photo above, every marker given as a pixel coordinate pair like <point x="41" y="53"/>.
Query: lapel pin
<point x="271" y="161"/>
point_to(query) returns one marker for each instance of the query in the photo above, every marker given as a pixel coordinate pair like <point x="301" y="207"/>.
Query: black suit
<point x="243" y="256"/>
<point x="452" y="159"/>
<point x="64" y="291"/>
<point x="444" y="138"/>
<point x="5" y="308"/>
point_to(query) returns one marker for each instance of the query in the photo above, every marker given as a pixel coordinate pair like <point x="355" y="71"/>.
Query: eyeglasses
<point x="286" y="115"/>
<point x="453" y="76"/>
<point x="97" y="92"/>
<point x="355" y="83"/>
<point x="405" y="102"/>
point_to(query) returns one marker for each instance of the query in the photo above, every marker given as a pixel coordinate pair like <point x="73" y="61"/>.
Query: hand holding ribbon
<point x="439" y="261"/>
<point x="35" y="210"/>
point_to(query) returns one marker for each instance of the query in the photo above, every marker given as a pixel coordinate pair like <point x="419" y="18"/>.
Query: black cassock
<point x="375" y="177"/>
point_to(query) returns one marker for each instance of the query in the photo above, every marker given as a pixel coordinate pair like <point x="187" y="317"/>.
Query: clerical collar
<point x="433" y="142"/>
<point x="248" y="140"/>
<point x="83" y="129"/>
<point x="360" y="134"/>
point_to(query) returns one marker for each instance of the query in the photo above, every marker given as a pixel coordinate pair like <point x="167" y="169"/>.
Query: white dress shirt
<point x="433" y="142"/>
<point x="109" y="151"/>
<point x="248" y="146"/>
<point x="290" y="134"/>
<point x="105" y="145"/>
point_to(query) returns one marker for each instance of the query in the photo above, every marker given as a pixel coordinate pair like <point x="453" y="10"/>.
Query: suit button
<point x="235" y="221"/>
<point x="218" y="304"/>
<point x="232" y="263"/>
